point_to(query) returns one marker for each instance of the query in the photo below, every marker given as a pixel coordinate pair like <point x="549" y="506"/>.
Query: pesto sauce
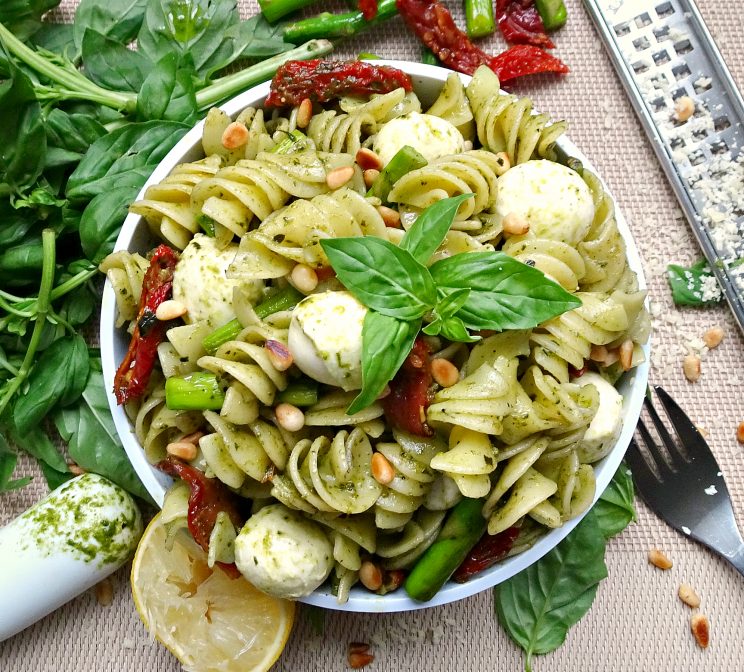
<point x="88" y="517"/>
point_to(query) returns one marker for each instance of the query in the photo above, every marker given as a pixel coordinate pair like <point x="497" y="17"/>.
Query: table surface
<point x="637" y="622"/>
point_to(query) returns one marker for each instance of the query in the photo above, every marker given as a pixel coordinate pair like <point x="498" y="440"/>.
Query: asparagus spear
<point x="198" y="391"/>
<point x="273" y="10"/>
<point x="405" y="160"/>
<point x="479" y="17"/>
<point x="303" y="392"/>
<point x="428" y="57"/>
<point x="331" y="26"/>
<point x="552" y="12"/>
<point x="462" y="530"/>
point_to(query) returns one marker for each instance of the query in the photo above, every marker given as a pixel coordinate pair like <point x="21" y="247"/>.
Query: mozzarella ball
<point x="283" y="553"/>
<point x="605" y="427"/>
<point x="552" y="198"/>
<point x="325" y="338"/>
<point x="200" y="281"/>
<point x="431" y="136"/>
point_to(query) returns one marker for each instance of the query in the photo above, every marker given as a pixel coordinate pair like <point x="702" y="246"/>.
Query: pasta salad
<point x="378" y="343"/>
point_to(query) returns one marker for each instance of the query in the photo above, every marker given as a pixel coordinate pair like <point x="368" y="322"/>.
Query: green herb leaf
<point x="539" y="605"/>
<point x="69" y="136"/>
<point x="430" y="228"/>
<point x="505" y="293"/>
<point x="93" y="443"/>
<point x="386" y="342"/>
<point x="8" y="461"/>
<point x="37" y="444"/>
<point x="55" y="37"/>
<point x="53" y="477"/>
<point x="316" y="618"/>
<point x="120" y="20"/>
<point x="445" y="309"/>
<point x="453" y="329"/>
<point x="111" y="64"/>
<point x="382" y="276"/>
<point x="23" y="17"/>
<point x="614" y="509"/>
<point x="687" y="284"/>
<point x="57" y="379"/>
<point x="124" y="157"/>
<point x="168" y="92"/>
<point x="102" y="220"/>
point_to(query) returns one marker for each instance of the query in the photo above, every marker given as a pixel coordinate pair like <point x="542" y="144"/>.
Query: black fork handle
<point x="737" y="559"/>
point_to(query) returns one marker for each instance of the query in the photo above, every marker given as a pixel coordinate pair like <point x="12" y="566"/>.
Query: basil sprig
<point x="456" y="295"/>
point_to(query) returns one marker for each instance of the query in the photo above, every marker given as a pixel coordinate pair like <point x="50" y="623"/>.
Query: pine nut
<point x="684" y="108"/>
<point x="359" y="655"/>
<point x="304" y="278"/>
<point x="183" y="450"/>
<point x="382" y="470"/>
<point x="367" y="159"/>
<point x="599" y="353"/>
<point x="515" y="225"/>
<point x="688" y="596"/>
<point x="659" y="559"/>
<point x="467" y="145"/>
<point x="700" y="627"/>
<point x="338" y="177"/>
<point x="170" y="310"/>
<point x="304" y="113"/>
<point x="105" y="592"/>
<point x="370" y="575"/>
<point x="290" y="417"/>
<point x="192" y="438"/>
<point x="444" y="372"/>
<point x="389" y="216"/>
<point x="740" y="432"/>
<point x="75" y="469"/>
<point x="370" y="176"/>
<point x="502" y="158"/>
<point x="279" y="356"/>
<point x="626" y="355"/>
<point x="691" y="367"/>
<point x="235" y="135"/>
<point x="713" y="337"/>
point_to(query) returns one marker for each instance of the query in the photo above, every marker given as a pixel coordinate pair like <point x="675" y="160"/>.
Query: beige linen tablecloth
<point x="637" y="622"/>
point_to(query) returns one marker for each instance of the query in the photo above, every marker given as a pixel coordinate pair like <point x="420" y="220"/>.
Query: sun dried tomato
<point x="487" y="552"/>
<point x="134" y="373"/>
<point x="208" y="497"/>
<point x="435" y="27"/>
<point x="520" y="23"/>
<point x="410" y="396"/>
<point x="321" y="81"/>
<point x="368" y="8"/>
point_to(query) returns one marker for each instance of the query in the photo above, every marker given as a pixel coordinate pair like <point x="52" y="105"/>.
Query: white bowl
<point x="135" y="236"/>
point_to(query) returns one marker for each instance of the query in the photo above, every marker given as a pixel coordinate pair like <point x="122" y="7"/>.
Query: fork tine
<point x="644" y="477"/>
<point x="688" y="434"/>
<point x="653" y="449"/>
<point x="677" y="459"/>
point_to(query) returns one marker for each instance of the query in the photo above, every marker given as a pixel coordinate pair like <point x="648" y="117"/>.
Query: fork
<point x="690" y="494"/>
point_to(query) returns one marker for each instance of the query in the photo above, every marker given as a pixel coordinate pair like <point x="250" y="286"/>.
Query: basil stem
<point x="43" y="303"/>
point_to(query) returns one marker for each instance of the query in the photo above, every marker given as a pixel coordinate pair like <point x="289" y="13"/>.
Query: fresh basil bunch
<point x="455" y="296"/>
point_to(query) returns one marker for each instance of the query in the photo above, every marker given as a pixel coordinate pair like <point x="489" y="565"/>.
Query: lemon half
<point x="210" y="622"/>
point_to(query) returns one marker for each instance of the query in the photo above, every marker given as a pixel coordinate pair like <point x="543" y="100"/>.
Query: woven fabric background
<point x="637" y="622"/>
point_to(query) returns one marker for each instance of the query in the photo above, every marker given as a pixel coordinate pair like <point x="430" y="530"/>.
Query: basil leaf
<point x="23" y="17"/>
<point x="386" y="343"/>
<point x="430" y="228"/>
<point x="37" y="444"/>
<point x="453" y="329"/>
<point x="446" y="323"/>
<point x="691" y="285"/>
<point x="102" y="220"/>
<point x="54" y="478"/>
<point x="124" y="157"/>
<point x="110" y="64"/>
<point x="168" y="92"/>
<point x="382" y="276"/>
<point x="538" y="606"/>
<point x="57" y="379"/>
<point x="119" y="20"/>
<point x="504" y="292"/>
<point x="55" y="37"/>
<point x="614" y="509"/>
<point x="91" y="436"/>
<point x="8" y="461"/>
<point x="69" y="136"/>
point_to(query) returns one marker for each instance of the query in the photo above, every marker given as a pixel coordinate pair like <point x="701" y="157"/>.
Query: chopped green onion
<point x="207" y="224"/>
<point x="194" y="392"/>
<point x="296" y="141"/>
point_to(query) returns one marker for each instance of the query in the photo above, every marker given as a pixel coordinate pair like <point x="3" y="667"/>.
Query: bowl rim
<point x="634" y="382"/>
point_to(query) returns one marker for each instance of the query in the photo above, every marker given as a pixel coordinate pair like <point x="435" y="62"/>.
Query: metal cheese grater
<point x="663" y="51"/>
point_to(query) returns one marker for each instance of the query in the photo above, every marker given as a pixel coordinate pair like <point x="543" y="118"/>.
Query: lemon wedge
<point x="210" y="622"/>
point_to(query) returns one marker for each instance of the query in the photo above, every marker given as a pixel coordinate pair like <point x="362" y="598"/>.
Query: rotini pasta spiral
<point x="125" y="271"/>
<point x="259" y="139"/>
<point x="167" y="206"/>
<point x="452" y="105"/>
<point x="400" y="550"/>
<point x="558" y="260"/>
<point x="469" y="461"/>
<point x="331" y="475"/>
<point x="506" y="123"/>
